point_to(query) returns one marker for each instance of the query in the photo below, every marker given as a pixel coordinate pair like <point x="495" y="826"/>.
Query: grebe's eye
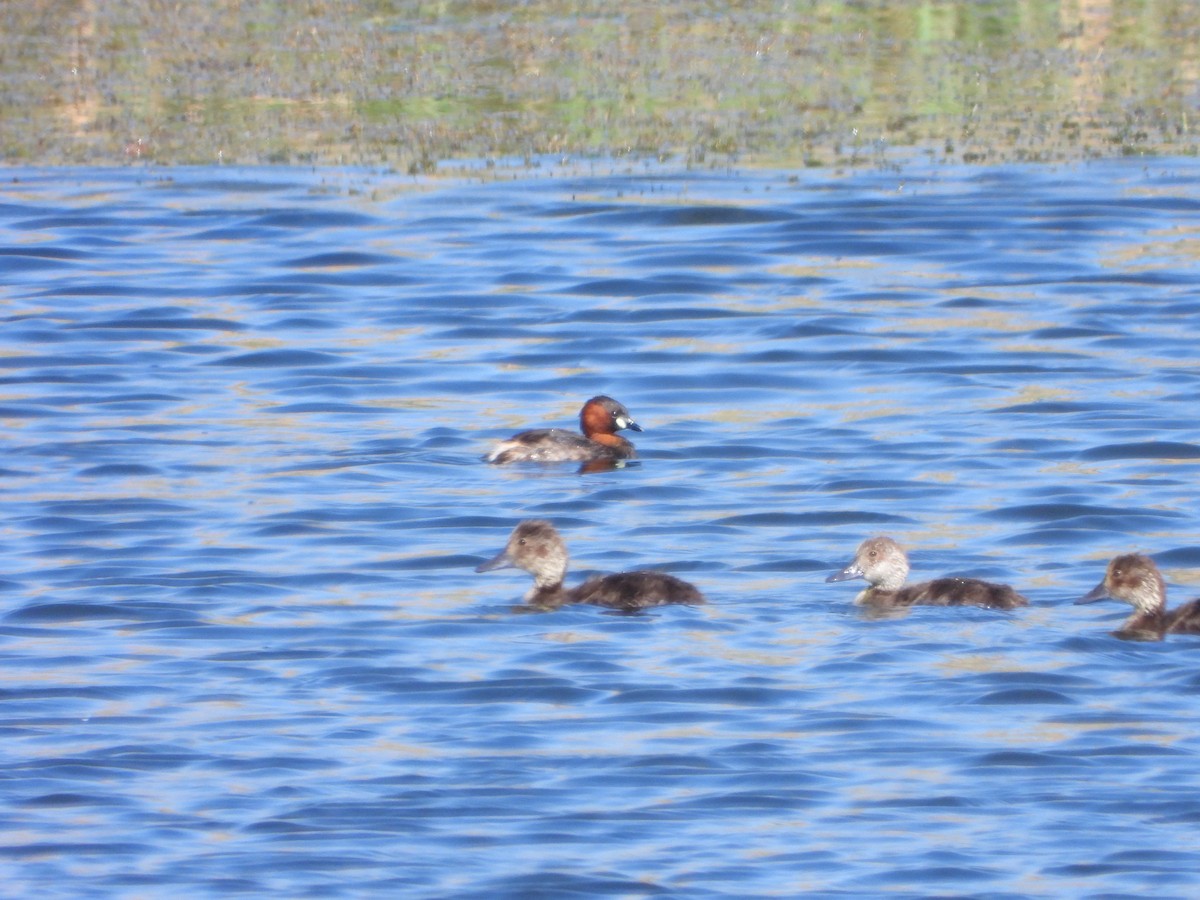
<point x="521" y="541"/>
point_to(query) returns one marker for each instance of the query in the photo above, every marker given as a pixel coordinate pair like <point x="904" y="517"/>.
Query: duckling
<point x="536" y="547"/>
<point x="1135" y="579"/>
<point x="884" y="565"/>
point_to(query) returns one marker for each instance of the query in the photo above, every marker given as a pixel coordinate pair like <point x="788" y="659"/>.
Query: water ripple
<point x="245" y="648"/>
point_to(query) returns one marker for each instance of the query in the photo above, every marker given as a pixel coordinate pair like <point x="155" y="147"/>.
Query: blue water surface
<point x="244" y="651"/>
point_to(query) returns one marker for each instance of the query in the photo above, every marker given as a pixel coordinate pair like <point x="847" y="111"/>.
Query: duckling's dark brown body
<point x="1185" y="619"/>
<point x="945" y="592"/>
<point x="634" y="590"/>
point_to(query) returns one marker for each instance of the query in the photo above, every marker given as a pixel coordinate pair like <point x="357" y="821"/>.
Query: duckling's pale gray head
<point x="879" y="560"/>
<point x="536" y="547"/>
<point x="1133" y="578"/>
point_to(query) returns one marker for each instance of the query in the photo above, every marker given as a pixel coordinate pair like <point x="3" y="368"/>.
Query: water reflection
<point x="418" y="86"/>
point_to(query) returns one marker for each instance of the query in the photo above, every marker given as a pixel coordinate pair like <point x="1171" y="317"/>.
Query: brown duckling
<point x="536" y="547"/>
<point x="884" y="565"/>
<point x="1135" y="579"/>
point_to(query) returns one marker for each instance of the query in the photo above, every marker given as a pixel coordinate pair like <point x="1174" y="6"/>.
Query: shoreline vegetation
<point x="424" y="88"/>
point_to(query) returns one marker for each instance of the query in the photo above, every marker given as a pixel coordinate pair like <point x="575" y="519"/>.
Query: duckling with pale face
<point x="536" y="547"/>
<point x="1135" y="579"/>
<point x="884" y="565"/>
<point x="600" y="419"/>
